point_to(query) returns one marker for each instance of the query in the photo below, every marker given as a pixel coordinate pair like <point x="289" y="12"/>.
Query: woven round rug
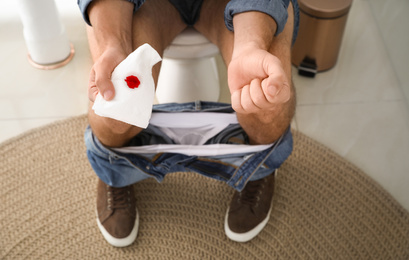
<point x="324" y="208"/>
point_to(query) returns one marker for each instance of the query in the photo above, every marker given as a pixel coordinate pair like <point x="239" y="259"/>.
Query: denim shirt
<point x="277" y="9"/>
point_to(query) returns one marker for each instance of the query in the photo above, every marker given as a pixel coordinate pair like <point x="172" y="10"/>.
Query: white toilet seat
<point x="189" y="37"/>
<point x="190" y="44"/>
<point x="189" y="70"/>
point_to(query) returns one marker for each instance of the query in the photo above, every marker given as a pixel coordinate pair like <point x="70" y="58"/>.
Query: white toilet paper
<point x="134" y="89"/>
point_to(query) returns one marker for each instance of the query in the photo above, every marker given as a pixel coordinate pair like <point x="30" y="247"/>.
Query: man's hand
<point x="111" y="30"/>
<point x="257" y="81"/>
<point x="100" y="76"/>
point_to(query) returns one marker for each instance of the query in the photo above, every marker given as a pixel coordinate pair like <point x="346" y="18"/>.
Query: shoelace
<point x="118" y="198"/>
<point x="251" y="193"/>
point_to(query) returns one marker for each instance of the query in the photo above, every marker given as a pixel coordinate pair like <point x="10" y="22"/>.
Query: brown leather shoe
<point x="117" y="216"/>
<point x="249" y="210"/>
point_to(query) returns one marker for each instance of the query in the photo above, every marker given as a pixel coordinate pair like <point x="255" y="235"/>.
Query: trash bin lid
<point x="325" y="8"/>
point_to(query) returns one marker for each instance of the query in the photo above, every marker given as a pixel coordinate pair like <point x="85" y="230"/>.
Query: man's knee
<point x="290" y="106"/>
<point x="111" y="132"/>
<point x="110" y="125"/>
<point x="117" y="127"/>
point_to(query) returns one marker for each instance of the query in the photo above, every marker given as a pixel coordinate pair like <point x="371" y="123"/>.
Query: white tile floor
<point x="358" y="109"/>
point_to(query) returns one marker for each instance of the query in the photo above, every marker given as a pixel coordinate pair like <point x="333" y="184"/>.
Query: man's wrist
<point x="253" y="29"/>
<point x="112" y="23"/>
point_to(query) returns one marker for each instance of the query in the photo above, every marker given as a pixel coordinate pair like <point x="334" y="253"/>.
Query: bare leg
<point x="157" y="23"/>
<point x="211" y="25"/>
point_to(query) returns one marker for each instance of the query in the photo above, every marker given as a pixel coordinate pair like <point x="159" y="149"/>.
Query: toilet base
<point x="186" y="80"/>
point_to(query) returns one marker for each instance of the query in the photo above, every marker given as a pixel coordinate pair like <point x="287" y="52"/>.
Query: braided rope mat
<point x="324" y="208"/>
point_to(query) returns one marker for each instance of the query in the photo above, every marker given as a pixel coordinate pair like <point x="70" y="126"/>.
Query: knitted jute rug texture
<point x="324" y="208"/>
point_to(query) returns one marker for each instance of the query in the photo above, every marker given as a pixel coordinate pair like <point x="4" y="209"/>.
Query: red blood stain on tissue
<point x="132" y="82"/>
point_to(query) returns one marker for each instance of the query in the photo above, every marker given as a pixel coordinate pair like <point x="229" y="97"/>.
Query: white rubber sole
<point x="245" y="237"/>
<point x="120" y="242"/>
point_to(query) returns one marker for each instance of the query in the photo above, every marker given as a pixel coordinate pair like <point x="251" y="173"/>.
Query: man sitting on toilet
<point x="255" y="40"/>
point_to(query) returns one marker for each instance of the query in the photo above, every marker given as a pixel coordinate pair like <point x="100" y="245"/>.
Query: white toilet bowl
<point x="188" y="70"/>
